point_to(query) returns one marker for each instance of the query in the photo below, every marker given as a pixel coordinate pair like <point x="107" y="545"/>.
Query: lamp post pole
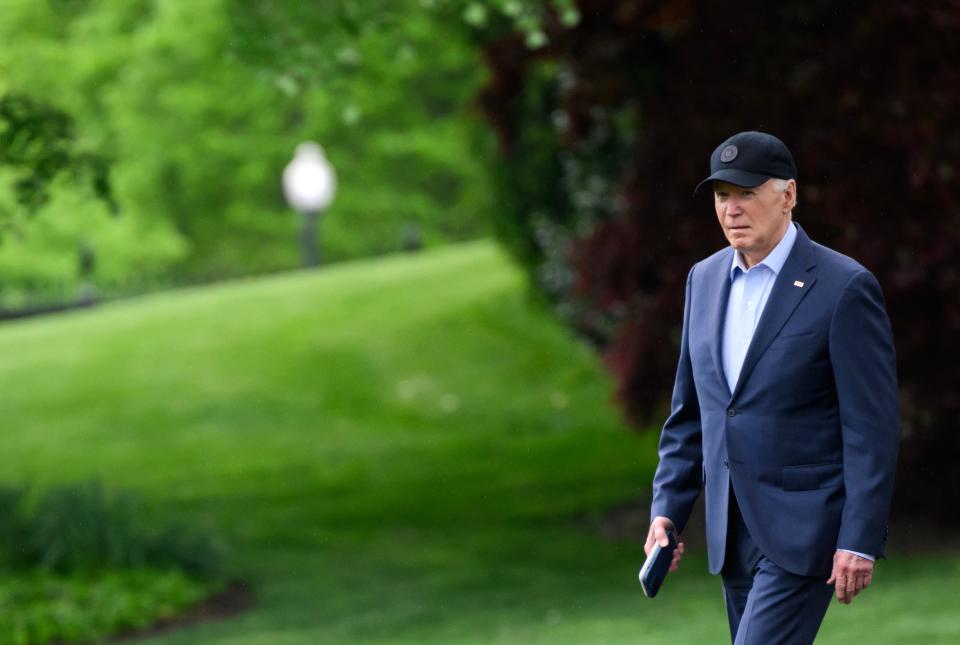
<point x="309" y="184"/>
<point x="309" y="243"/>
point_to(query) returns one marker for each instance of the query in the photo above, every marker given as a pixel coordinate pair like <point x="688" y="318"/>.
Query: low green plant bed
<point x="42" y="607"/>
<point x="80" y="563"/>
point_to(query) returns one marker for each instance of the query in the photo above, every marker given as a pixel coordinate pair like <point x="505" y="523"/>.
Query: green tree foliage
<point x="57" y="207"/>
<point x="618" y="115"/>
<point x="530" y="18"/>
<point x="198" y="107"/>
<point x="38" y="142"/>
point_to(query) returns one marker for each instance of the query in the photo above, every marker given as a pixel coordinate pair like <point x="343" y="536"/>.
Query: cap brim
<point x="735" y="177"/>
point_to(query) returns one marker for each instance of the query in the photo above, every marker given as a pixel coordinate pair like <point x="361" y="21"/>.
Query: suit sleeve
<point x="679" y="475"/>
<point x="864" y="369"/>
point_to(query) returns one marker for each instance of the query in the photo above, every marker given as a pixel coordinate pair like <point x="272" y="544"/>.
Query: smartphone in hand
<point x="655" y="569"/>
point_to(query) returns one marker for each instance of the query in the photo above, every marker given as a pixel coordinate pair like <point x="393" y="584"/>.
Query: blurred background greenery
<point x="404" y="447"/>
<point x="143" y="141"/>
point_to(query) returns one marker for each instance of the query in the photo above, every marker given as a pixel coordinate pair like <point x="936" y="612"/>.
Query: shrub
<point x="83" y="528"/>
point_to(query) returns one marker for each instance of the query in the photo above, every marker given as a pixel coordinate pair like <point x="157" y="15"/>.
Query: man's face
<point x="754" y="219"/>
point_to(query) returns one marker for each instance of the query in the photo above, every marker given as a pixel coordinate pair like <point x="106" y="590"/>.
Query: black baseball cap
<point x="748" y="159"/>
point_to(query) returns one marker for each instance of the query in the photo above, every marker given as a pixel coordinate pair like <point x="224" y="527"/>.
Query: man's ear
<point x="790" y="196"/>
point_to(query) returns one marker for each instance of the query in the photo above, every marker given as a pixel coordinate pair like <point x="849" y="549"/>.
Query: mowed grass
<point x="400" y="450"/>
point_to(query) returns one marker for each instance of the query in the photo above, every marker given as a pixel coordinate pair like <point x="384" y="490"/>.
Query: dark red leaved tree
<point x="605" y="132"/>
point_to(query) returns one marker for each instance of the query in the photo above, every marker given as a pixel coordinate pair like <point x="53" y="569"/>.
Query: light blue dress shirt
<point x="749" y="291"/>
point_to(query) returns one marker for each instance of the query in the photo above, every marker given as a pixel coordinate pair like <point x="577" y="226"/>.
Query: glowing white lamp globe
<point x="309" y="184"/>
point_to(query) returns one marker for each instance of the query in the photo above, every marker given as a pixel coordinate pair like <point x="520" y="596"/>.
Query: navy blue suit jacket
<point x="808" y="437"/>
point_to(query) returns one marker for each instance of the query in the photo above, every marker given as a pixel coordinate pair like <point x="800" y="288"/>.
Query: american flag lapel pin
<point x="797" y="283"/>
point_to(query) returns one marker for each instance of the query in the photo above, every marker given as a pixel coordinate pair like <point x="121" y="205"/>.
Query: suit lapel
<point x="792" y="284"/>
<point x="720" y="294"/>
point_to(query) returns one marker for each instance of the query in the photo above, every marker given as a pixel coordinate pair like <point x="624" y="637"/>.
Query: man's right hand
<point x="658" y="535"/>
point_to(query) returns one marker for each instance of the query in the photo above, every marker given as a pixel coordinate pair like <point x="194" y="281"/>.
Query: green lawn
<point x="399" y="450"/>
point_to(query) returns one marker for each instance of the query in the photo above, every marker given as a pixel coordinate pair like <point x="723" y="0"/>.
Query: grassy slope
<point x="401" y="450"/>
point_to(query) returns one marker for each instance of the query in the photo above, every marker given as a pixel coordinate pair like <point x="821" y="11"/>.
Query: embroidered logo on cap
<point x="728" y="154"/>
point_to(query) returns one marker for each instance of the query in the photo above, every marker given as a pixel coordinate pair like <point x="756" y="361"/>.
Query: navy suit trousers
<point x="767" y="605"/>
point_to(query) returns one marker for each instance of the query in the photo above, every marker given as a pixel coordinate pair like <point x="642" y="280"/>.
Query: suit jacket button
<point x="731" y="412"/>
<point x="726" y="464"/>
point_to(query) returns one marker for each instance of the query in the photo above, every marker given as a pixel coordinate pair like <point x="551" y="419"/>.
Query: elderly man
<point x="784" y="408"/>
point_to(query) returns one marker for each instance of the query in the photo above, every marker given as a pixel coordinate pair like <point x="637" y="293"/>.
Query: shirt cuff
<point x="862" y="555"/>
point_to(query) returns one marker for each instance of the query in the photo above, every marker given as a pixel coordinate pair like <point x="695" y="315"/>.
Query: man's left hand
<point x="851" y="575"/>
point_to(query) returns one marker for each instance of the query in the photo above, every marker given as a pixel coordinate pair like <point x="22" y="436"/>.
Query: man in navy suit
<point x="784" y="409"/>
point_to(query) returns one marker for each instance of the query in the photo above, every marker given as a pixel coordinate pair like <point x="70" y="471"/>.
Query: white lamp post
<point x="309" y="184"/>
